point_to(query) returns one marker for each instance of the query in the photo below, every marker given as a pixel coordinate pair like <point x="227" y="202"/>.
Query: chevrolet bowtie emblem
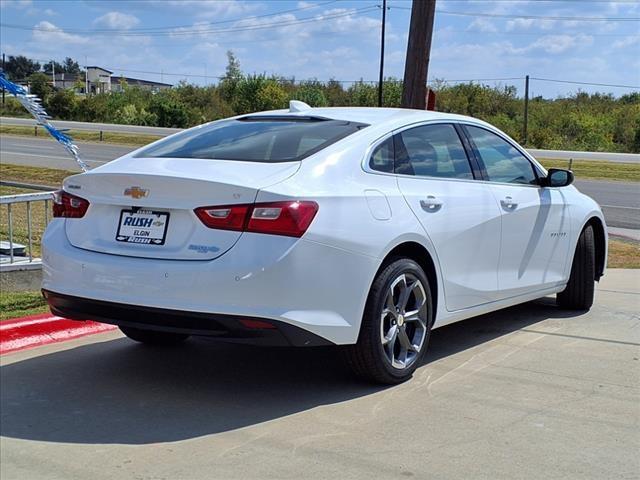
<point x="136" y="192"/>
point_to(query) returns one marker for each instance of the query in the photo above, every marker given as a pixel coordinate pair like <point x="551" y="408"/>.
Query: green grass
<point x="36" y="175"/>
<point x="597" y="170"/>
<point x="20" y="225"/>
<point x="623" y="254"/>
<point x="20" y="304"/>
<point x="133" y="139"/>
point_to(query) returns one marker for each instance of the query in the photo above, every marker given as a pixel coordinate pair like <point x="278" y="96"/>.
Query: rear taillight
<point x="66" y="205"/>
<point x="290" y="218"/>
<point x="231" y="217"/>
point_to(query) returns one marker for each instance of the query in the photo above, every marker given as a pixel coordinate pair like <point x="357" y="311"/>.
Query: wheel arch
<point x="418" y="253"/>
<point x="600" y="239"/>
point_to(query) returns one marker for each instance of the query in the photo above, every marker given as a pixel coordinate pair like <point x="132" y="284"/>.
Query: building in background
<point x="98" y="79"/>
<point x="101" y="80"/>
<point x="118" y="82"/>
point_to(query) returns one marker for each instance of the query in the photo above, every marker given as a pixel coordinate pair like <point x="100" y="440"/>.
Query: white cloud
<point x="555" y="44"/>
<point x="528" y="23"/>
<point x="15" y="3"/>
<point x="47" y="34"/>
<point x="117" y="20"/>
<point x="626" y="42"/>
<point x="213" y="8"/>
<point x="482" y="25"/>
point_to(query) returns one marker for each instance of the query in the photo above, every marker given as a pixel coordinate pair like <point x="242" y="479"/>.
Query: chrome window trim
<point x="365" y="164"/>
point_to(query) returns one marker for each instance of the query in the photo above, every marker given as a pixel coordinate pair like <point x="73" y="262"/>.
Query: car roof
<point x="371" y="115"/>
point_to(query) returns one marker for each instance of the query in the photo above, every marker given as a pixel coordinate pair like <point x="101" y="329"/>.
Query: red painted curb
<point x="37" y="330"/>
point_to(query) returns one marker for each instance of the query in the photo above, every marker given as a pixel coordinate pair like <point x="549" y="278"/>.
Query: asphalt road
<point x="527" y="392"/>
<point x="108" y="127"/>
<point x="566" y="154"/>
<point x="620" y="200"/>
<point x="46" y="152"/>
<point x="105" y="127"/>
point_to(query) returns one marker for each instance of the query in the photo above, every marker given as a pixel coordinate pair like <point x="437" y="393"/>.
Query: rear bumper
<point x="224" y="327"/>
<point x="305" y="284"/>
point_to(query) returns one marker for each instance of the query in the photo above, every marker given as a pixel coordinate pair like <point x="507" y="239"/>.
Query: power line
<point x="477" y="80"/>
<point x="545" y="34"/>
<point x="199" y="31"/>
<point x="172" y="27"/>
<point x="586" y="83"/>
<point x="533" y="17"/>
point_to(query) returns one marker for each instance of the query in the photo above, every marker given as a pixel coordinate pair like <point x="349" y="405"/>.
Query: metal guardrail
<point x="14" y="248"/>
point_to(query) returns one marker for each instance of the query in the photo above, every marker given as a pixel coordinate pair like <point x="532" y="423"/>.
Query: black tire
<point x="152" y="337"/>
<point x="581" y="287"/>
<point x="368" y="358"/>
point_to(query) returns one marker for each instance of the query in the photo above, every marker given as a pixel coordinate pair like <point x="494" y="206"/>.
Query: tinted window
<point x="502" y="161"/>
<point x="255" y="139"/>
<point x="431" y="151"/>
<point x="382" y="157"/>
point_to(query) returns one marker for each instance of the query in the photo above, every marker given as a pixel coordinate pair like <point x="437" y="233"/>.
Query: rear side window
<point x="382" y="157"/>
<point x="431" y="151"/>
<point x="255" y="139"/>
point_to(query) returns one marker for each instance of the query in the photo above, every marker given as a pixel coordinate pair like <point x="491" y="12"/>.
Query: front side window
<point x="502" y="161"/>
<point x="431" y="151"/>
<point x="255" y="139"/>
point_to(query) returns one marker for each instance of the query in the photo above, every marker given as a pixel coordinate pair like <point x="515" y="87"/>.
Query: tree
<point x="39" y="85"/>
<point x="71" y="66"/>
<point x="52" y="66"/>
<point x="20" y="67"/>
<point x="232" y="77"/>
<point x="68" y="66"/>
<point x="232" y="72"/>
<point x="61" y="104"/>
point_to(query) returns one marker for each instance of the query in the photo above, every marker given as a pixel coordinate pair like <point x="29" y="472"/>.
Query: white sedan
<point x="359" y="227"/>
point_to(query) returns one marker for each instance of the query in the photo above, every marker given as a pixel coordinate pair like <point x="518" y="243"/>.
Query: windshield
<point x="255" y="139"/>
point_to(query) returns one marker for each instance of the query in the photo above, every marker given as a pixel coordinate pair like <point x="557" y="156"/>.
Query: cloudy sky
<point x="580" y="40"/>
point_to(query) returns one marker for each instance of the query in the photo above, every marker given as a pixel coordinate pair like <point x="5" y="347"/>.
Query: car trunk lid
<point x="151" y="215"/>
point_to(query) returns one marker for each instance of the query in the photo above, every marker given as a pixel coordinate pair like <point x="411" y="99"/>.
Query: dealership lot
<point x="527" y="392"/>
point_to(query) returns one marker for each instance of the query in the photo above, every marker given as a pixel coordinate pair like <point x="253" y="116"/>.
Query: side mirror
<point x="557" y="177"/>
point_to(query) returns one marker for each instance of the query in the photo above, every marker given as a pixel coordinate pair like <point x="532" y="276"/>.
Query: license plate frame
<point x="147" y="239"/>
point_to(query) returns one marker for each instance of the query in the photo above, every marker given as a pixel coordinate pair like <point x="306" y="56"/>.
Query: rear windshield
<point x="255" y="139"/>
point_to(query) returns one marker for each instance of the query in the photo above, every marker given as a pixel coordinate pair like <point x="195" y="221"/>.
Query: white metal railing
<point x="10" y="201"/>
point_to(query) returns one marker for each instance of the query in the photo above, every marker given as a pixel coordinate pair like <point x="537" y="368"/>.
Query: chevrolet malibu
<point x="364" y="228"/>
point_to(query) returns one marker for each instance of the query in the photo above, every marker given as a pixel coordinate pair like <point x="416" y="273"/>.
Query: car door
<point x="458" y="213"/>
<point x="535" y="226"/>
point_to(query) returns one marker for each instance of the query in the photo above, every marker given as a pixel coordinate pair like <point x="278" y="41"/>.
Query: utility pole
<point x="416" y="64"/>
<point x="381" y="79"/>
<point x="53" y="72"/>
<point x="526" y="110"/>
<point x="86" y="77"/>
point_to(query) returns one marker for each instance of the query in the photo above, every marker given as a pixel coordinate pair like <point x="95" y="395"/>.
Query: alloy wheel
<point x="403" y="325"/>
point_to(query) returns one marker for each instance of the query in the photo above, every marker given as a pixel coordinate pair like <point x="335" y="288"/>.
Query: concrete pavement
<point x="527" y="392"/>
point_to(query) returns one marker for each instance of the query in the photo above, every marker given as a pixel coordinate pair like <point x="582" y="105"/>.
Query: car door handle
<point x="508" y="203"/>
<point x="431" y="204"/>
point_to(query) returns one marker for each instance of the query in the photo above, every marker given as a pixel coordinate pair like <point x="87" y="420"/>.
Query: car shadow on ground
<point x="121" y="392"/>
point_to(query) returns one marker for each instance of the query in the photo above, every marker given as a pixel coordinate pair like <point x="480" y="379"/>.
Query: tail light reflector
<point x="66" y="205"/>
<point x="291" y="218"/>
<point x="231" y="217"/>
